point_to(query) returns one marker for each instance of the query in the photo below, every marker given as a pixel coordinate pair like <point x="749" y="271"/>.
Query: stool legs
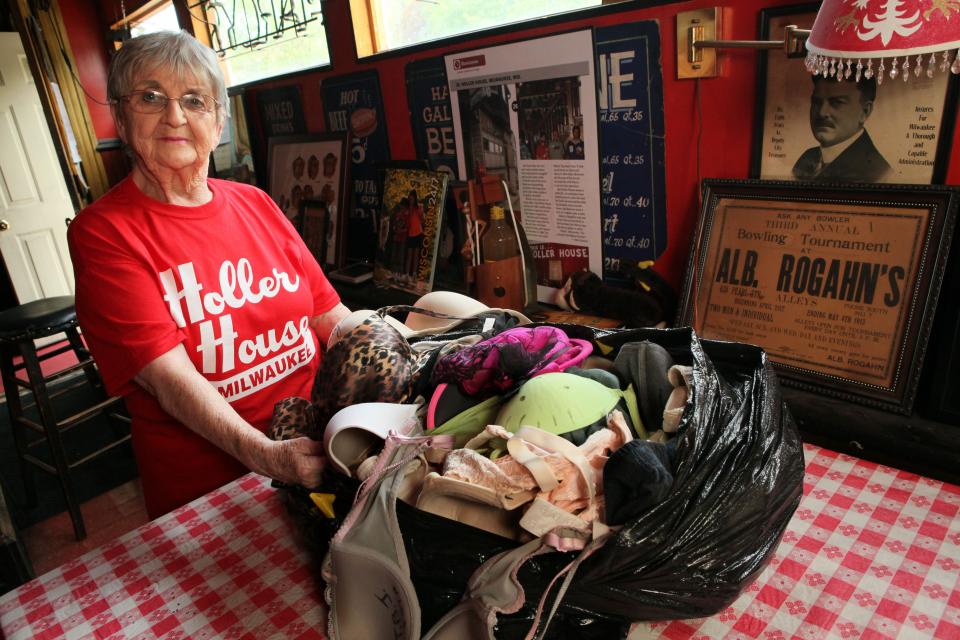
<point x="93" y="376"/>
<point x="11" y="391"/>
<point x="52" y="433"/>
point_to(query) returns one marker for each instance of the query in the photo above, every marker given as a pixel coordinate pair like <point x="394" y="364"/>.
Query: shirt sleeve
<point x="124" y="319"/>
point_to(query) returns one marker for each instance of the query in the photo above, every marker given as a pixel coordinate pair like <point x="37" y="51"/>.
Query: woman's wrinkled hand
<point x="297" y="461"/>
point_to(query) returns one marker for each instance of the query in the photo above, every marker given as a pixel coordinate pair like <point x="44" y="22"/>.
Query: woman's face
<point x="174" y="139"/>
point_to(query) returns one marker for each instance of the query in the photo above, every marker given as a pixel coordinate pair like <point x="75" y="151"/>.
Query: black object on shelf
<point x="352" y="273"/>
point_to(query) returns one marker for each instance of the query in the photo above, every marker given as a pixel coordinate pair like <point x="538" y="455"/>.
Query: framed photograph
<point x="311" y="167"/>
<point x="313" y="223"/>
<point x="877" y="131"/>
<point x="839" y="285"/>
<point x="408" y="237"/>
<point x="454" y="249"/>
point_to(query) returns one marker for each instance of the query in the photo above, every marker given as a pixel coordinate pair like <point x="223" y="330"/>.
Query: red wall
<point x="87" y="35"/>
<point x="727" y="102"/>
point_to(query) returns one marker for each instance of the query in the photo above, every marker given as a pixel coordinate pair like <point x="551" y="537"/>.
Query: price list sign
<point x="630" y="100"/>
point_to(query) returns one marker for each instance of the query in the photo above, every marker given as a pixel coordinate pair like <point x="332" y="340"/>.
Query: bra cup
<point x="370" y="363"/>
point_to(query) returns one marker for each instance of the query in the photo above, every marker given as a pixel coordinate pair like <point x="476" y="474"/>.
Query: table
<point x="872" y="552"/>
<point x="227" y="565"/>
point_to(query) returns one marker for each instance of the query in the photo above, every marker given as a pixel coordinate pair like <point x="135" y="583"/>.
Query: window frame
<point x="200" y="29"/>
<point x="240" y="87"/>
<point x="608" y="7"/>
<point x="120" y="30"/>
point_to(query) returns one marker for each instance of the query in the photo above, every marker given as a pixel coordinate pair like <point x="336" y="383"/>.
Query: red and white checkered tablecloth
<point x="872" y="553"/>
<point x="227" y="565"/>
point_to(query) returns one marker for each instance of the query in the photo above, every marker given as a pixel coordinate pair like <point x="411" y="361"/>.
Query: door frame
<point x="29" y="28"/>
<point x="8" y="296"/>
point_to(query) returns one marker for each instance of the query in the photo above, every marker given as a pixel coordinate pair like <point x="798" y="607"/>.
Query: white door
<point x="34" y="201"/>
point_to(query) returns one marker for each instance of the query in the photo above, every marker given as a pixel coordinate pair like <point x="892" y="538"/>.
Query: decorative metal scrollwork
<point x="248" y="24"/>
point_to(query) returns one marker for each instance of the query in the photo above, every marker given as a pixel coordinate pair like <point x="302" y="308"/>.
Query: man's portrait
<point x="838" y="117"/>
<point x="821" y="129"/>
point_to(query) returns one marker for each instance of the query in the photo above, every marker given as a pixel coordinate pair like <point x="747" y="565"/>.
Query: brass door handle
<point x="4" y="225"/>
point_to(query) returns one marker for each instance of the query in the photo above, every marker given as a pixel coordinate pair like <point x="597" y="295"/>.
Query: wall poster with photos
<point x="312" y="167"/>
<point x="907" y="130"/>
<point x="409" y="235"/>
<point x="526" y="112"/>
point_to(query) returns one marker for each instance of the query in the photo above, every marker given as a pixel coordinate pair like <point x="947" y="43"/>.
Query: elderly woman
<point x="197" y="298"/>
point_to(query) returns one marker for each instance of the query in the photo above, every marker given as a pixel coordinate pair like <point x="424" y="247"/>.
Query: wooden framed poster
<point x="839" y="285"/>
<point x="312" y="167"/>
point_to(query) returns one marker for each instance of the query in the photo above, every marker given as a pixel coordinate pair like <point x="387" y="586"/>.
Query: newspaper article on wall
<point x="527" y="112"/>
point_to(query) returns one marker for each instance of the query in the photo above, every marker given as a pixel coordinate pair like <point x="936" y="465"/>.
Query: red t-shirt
<point x="232" y="281"/>
<point x="414" y="221"/>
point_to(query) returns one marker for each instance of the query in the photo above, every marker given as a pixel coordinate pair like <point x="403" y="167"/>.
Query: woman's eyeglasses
<point x="150" y="101"/>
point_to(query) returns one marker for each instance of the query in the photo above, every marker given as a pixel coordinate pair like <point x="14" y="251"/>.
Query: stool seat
<point x="38" y="319"/>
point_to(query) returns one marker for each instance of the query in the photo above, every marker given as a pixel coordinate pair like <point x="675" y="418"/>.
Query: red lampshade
<point x="894" y="37"/>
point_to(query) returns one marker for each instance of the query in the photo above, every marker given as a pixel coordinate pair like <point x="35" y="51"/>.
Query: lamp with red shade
<point x="884" y="38"/>
<point x="850" y="39"/>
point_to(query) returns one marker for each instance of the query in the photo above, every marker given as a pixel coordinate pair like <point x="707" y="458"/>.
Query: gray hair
<point x="176" y="50"/>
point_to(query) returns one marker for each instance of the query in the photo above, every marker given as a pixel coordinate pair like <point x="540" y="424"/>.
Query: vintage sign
<point x="431" y="114"/>
<point x="281" y="111"/>
<point x="836" y="286"/>
<point x="630" y="100"/>
<point x="353" y="104"/>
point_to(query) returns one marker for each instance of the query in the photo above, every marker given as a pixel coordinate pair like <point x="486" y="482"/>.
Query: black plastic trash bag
<point x="738" y="481"/>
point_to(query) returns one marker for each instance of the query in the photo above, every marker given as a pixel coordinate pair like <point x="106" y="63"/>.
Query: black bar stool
<point x="19" y="328"/>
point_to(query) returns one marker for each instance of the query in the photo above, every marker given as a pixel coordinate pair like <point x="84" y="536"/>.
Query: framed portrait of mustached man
<point x="888" y="127"/>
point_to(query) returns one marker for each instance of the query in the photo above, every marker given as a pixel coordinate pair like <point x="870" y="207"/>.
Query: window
<point x="255" y="39"/>
<point x="383" y="25"/>
<point x="152" y="16"/>
<point x="163" y="19"/>
<point x="258" y="40"/>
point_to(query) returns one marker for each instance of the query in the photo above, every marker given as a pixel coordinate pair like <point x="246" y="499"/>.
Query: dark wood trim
<point x="293" y="75"/>
<point x="911" y="443"/>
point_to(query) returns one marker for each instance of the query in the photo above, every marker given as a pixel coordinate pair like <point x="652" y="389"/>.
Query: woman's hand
<point x="190" y="398"/>
<point x="297" y="461"/>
